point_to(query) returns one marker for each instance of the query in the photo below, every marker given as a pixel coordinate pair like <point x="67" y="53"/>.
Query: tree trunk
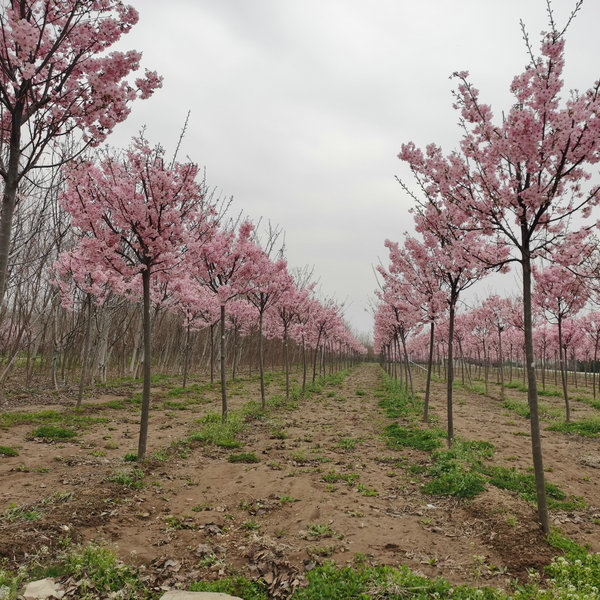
<point x="501" y="364"/>
<point x="186" y="357"/>
<point x="223" y="387"/>
<point x="429" y="368"/>
<point x="532" y="396"/>
<point x="261" y="360"/>
<point x="286" y="354"/>
<point x="563" y="372"/>
<point x="212" y="353"/>
<point x="9" y="199"/>
<point x="450" y="371"/>
<point x="147" y="366"/>
<point x="408" y="369"/>
<point x="303" y="365"/>
<point x="86" y="351"/>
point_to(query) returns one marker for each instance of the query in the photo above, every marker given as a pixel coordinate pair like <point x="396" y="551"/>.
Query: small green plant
<point x="349" y="443"/>
<point x="319" y="530"/>
<point x="133" y="478"/>
<point x="321" y="551"/>
<point x="335" y="477"/>
<point x="101" y="573"/>
<point x="288" y="499"/>
<point x="360" y="392"/>
<point x="278" y="433"/>
<point x="130" y="457"/>
<point x="299" y="456"/>
<point x="366" y="491"/>
<point x="243" y="457"/>
<point x="14" y="512"/>
<point x="178" y="523"/>
<point x="251" y="525"/>
<point x="160" y="455"/>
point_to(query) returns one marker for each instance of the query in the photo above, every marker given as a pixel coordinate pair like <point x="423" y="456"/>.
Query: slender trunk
<point x="501" y="363"/>
<point x="287" y="361"/>
<point x="147" y="366"/>
<point x="9" y="199"/>
<point x="468" y="367"/>
<point x="303" y="365"/>
<point x="261" y="360"/>
<point x="429" y="368"/>
<point x="235" y="352"/>
<point x="594" y="367"/>
<point x="450" y="371"/>
<point x="86" y="351"/>
<point x="486" y="367"/>
<point x="315" y="356"/>
<point x="409" y="372"/>
<point x="223" y="387"/>
<point x="212" y="352"/>
<point x="186" y="357"/>
<point x="563" y="372"/>
<point x="532" y="396"/>
<point x="544" y="370"/>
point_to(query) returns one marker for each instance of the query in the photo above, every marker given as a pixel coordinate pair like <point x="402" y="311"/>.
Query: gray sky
<point x="299" y="107"/>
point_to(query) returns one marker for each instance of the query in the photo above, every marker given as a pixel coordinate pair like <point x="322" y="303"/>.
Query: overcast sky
<point x="299" y="107"/>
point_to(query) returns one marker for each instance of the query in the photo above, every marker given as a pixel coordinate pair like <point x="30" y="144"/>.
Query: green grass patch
<point x="8" y="451"/>
<point x="102" y="574"/>
<point x="585" y="427"/>
<point x="349" y="443"/>
<point x="568" y="547"/>
<point x="521" y="408"/>
<point x="420" y="439"/>
<point x="53" y="433"/>
<point x="365" y="582"/>
<point x="73" y="418"/>
<point x="456" y="471"/>
<point x="243" y="457"/>
<point x="234" y="586"/>
<point x="524" y="485"/>
<point x="216" y="433"/>
<point x="133" y="478"/>
<point x="517" y="385"/>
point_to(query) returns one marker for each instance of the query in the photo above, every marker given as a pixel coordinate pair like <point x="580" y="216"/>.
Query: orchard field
<point x="346" y="473"/>
<point x="450" y="451"/>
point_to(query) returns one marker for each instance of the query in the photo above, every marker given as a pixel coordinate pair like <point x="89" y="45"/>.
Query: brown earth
<point x="199" y="516"/>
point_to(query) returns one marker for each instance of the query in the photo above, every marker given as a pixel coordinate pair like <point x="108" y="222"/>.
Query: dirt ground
<point x="199" y="516"/>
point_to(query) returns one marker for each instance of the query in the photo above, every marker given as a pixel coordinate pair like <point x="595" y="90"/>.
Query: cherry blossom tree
<point x="135" y="215"/>
<point x="57" y="79"/>
<point x="412" y="263"/>
<point x="270" y="281"/>
<point x="521" y="179"/>
<point x="225" y="265"/>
